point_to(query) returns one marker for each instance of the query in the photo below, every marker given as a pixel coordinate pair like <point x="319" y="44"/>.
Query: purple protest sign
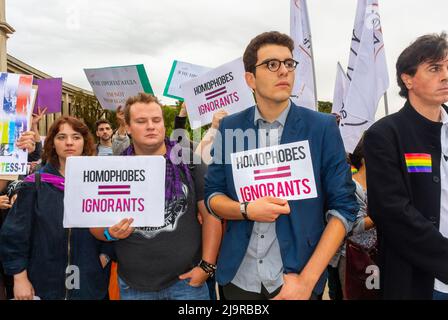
<point x="49" y="94"/>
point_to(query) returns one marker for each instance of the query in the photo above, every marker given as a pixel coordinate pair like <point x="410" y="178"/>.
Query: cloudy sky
<point x="63" y="37"/>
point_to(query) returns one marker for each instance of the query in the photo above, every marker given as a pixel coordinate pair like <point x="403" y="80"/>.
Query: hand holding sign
<point x="122" y="230"/>
<point x="26" y="141"/>
<point x="267" y="209"/>
<point x="217" y="117"/>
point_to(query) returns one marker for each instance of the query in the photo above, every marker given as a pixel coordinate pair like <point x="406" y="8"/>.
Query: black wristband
<point x="207" y="267"/>
<point x="243" y="210"/>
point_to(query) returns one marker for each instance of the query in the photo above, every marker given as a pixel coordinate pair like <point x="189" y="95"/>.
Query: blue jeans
<point x="211" y="285"/>
<point x="437" y="295"/>
<point x="180" y="290"/>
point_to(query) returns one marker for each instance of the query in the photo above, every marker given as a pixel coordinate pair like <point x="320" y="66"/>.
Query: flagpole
<point x="386" y="104"/>
<point x="314" y="78"/>
<point x="312" y="59"/>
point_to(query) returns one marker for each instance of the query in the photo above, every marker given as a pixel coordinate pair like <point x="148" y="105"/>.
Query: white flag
<point x="367" y="73"/>
<point x="340" y="91"/>
<point x="304" y="86"/>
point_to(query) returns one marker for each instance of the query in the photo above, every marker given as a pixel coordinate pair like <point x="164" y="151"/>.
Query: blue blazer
<point x="299" y="232"/>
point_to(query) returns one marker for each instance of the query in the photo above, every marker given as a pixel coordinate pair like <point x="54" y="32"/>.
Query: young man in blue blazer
<point x="273" y="248"/>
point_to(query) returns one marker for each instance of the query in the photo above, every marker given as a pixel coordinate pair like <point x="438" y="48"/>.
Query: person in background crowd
<point x="120" y="139"/>
<point x="104" y="134"/>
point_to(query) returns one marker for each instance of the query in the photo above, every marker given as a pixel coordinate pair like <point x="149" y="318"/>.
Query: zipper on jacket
<point x="68" y="262"/>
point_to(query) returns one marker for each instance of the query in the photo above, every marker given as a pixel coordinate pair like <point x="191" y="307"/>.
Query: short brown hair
<point x="50" y="154"/>
<point x="250" y="56"/>
<point x="142" y="98"/>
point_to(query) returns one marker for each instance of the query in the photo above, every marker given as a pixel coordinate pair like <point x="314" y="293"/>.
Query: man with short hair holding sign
<point x="275" y="248"/>
<point x="159" y="263"/>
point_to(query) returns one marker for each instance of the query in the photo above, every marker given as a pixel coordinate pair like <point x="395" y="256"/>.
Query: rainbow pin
<point x="418" y="162"/>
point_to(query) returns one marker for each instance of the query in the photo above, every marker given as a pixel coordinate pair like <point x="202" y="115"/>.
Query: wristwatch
<point x="243" y="210"/>
<point x="108" y="236"/>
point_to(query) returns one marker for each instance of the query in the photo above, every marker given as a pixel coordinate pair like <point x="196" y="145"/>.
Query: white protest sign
<point x="101" y="191"/>
<point x="283" y="171"/>
<point x="114" y="85"/>
<point x="180" y="73"/>
<point x="223" y="88"/>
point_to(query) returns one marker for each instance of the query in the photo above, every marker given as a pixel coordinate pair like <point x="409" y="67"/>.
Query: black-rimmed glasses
<point x="274" y="64"/>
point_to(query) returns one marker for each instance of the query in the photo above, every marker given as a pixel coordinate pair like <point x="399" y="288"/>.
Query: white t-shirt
<point x="443" y="228"/>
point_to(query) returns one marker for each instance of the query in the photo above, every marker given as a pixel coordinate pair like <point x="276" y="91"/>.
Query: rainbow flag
<point x="354" y="170"/>
<point x="418" y="162"/>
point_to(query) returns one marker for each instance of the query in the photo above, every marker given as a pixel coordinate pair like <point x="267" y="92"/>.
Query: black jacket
<point x="406" y="206"/>
<point x="33" y="238"/>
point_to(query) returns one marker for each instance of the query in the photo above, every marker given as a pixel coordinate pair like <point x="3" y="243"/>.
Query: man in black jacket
<point x="407" y="177"/>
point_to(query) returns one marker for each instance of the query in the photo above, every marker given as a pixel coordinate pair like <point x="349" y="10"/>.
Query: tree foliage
<point x="88" y="109"/>
<point x="325" y="106"/>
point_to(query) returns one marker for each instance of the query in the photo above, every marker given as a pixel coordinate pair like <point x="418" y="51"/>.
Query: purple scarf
<point x="57" y="181"/>
<point x="173" y="180"/>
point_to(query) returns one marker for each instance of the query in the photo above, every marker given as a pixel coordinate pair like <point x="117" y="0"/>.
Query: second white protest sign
<point x="223" y="88"/>
<point x="114" y="85"/>
<point x="180" y="73"/>
<point x="284" y="171"/>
